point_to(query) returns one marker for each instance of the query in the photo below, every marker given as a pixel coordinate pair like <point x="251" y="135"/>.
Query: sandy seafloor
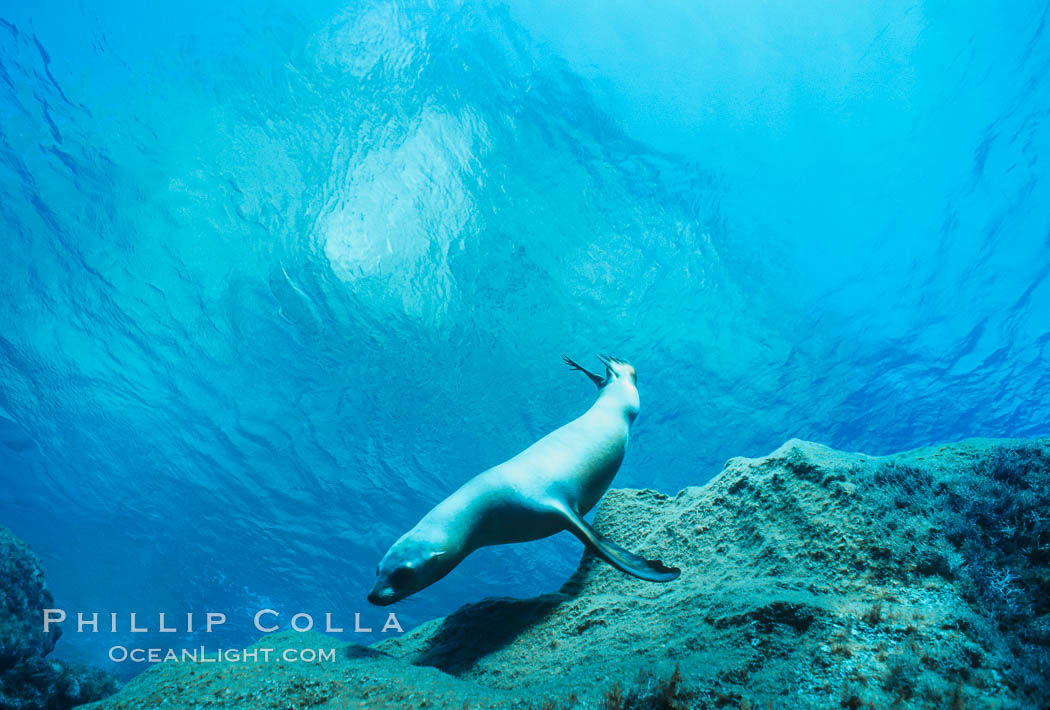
<point x="811" y="578"/>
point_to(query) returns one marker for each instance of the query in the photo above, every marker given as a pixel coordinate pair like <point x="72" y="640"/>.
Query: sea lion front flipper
<point x="621" y="559"/>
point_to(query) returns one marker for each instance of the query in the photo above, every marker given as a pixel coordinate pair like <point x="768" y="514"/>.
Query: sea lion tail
<point x="598" y="380"/>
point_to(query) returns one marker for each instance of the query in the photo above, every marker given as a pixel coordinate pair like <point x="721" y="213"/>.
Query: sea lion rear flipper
<point x="618" y="557"/>
<point x="598" y="380"/>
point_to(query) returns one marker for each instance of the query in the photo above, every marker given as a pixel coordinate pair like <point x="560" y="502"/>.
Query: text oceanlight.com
<point x="122" y="654"/>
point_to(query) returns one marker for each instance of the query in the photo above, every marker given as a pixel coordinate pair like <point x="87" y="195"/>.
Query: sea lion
<point x="545" y="489"/>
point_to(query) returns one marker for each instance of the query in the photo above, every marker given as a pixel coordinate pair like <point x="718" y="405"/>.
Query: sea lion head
<point x="615" y="368"/>
<point x="621" y="381"/>
<point x="411" y="564"/>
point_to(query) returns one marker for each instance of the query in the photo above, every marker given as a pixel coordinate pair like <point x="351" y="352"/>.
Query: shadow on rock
<point x="480" y="629"/>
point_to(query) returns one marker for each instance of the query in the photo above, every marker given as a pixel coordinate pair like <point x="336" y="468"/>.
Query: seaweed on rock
<point x="29" y="681"/>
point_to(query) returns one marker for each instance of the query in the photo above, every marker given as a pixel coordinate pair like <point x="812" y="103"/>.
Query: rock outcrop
<point x="23" y="596"/>
<point x="810" y="578"/>
<point x="28" y="681"/>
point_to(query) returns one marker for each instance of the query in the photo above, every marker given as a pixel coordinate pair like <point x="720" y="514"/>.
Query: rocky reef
<point x="28" y="681"/>
<point x="811" y="578"/>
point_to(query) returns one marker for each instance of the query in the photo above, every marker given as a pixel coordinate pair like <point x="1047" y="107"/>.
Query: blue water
<point x="277" y="277"/>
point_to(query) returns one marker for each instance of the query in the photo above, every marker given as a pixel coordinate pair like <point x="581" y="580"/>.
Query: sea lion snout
<point x="377" y="599"/>
<point x="383" y="594"/>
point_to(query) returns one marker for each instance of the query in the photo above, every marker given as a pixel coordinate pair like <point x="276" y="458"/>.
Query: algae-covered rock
<point x="23" y="597"/>
<point x="38" y="684"/>
<point x="29" y="681"/>
<point x="811" y="578"/>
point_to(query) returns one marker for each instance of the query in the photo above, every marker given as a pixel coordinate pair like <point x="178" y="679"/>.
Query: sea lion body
<point x="543" y="490"/>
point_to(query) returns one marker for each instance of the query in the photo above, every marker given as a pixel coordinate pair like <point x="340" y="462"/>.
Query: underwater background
<point x="278" y="277"/>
